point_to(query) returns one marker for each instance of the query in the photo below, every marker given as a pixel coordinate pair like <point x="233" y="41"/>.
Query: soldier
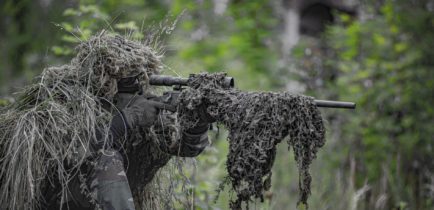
<point x="115" y="175"/>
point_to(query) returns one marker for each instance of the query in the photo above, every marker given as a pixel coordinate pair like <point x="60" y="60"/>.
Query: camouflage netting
<point x="45" y="135"/>
<point x="257" y="122"/>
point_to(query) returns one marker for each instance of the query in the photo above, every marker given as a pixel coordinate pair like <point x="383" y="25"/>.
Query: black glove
<point x="170" y="98"/>
<point x="141" y="112"/>
<point x="204" y="116"/>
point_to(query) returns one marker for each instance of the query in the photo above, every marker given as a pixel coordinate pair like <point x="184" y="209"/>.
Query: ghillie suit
<point x="46" y="136"/>
<point x="257" y="122"/>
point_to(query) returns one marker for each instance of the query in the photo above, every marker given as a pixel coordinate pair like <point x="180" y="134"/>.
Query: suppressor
<point x="335" y="104"/>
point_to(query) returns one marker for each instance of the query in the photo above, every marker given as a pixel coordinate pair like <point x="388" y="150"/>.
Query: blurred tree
<point x="25" y="35"/>
<point x="240" y="33"/>
<point x="384" y="62"/>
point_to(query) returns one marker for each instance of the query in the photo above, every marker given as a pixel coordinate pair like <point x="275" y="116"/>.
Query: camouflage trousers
<point x="107" y="185"/>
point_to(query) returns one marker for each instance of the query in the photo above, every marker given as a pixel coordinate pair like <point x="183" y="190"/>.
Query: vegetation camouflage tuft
<point x="257" y="122"/>
<point x="45" y="136"/>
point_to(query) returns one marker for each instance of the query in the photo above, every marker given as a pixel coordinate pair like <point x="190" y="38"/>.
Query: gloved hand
<point x="204" y="116"/>
<point x="141" y="112"/>
<point x="171" y="97"/>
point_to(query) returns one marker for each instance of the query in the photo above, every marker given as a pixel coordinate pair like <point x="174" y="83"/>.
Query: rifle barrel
<point x="335" y="104"/>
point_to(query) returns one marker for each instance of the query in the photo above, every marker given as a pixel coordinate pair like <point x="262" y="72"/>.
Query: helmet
<point x="113" y="61"/>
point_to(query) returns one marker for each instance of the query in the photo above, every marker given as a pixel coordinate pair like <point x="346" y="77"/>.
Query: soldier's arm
<point x="118" y="130"/>
<point x="193" y="141"/>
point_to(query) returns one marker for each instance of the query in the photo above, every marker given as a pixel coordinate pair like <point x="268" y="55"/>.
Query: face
<point x="127" y="88"/>
<point x="129" y="85"/>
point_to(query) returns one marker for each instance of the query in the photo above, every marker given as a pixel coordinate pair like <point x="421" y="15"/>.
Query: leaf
<point x="301" y="206"/>
<point x="71" y="12"/>
<point x="67" y="26"/>
<point x="58" y="50"/>
<point x="400" y="47"/>
<point x="70" y="39"/>
<point x="130" y="25"/>
<point x="379" y="39"/>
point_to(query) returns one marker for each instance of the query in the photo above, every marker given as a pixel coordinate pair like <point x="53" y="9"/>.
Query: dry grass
<point x="46" y="134"/>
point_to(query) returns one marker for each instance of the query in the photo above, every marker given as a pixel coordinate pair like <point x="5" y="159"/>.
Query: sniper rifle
<point x="228" y="82"/>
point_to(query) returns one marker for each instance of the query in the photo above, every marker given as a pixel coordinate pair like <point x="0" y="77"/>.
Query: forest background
<point x="379" y="55"/>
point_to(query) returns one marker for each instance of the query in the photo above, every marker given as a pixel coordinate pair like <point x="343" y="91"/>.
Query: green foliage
<point x="4" y="102"/>
<point x="24" y="38"/>
<point x="91" y="16"/>
<point x="79" y="26"/>
<point x="385" y="65"/>
<point x="240" y="37"/>
<point x="383" y="62"/>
